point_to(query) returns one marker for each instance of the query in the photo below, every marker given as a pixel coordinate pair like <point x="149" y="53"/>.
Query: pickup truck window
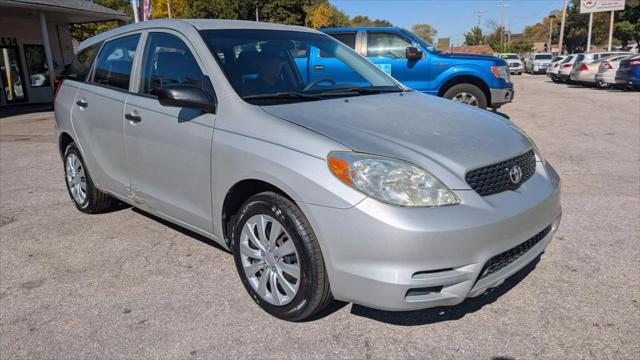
<point x="383" y="44"/>
<point x="113" y="67"/>
<point x="348" y="39"/>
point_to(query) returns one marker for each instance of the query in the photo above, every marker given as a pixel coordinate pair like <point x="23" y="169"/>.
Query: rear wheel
<point x="82" y="191"/>
<point x="278" y="258"/>
<point x="602" y="84"/>
<point x="467" y="94"/>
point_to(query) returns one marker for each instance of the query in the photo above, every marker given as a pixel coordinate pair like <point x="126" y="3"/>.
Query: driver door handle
<point x="83" y="104"/>
<point x="133" y="118"/>
<point x="318" y="68"/>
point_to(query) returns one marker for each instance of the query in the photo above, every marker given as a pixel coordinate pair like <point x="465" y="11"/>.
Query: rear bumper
<point x="500" y="97"/>
<point x="397" y="259"/>
<point x="583" y="76"/>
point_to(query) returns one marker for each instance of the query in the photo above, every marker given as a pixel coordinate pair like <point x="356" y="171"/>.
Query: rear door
<point x="97" y="114"/>
<point x="169" y="148"/>
<point x="388" y="51"/>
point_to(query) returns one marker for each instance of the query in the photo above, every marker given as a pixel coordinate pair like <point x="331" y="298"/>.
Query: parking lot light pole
<point x="610" y="32"/>
<point x="564" y="15"/>
<point x="589" y="34"/>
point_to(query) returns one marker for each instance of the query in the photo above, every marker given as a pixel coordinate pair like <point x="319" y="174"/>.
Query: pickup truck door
<point x="388" y="51"/>
<point x="169" y="148"/>
<point x="323" y="65"/>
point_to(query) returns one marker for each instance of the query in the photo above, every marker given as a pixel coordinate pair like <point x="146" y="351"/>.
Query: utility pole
<point x="564" y="15"/>
<point x="611" y="31"/>
<point x="502" y="6"/>
<point x="257" y="19"/>
<point x="479" y="15"/>
<point x="589" y="35"/>
<point x="169" y="8"/>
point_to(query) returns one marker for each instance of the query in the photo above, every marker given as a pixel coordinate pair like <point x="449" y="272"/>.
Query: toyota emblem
<point x="515" y="174"/>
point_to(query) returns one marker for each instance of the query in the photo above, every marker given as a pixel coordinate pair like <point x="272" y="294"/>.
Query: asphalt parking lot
<point x="126" y="285"/>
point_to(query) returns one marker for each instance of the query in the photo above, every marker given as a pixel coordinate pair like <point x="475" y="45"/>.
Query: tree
<point x="82" y="32"/>
<point x="179" y="9"/>
<point x="474" y="37"/>
<point x="496" y="39"/>
<point x="624" y="31"/>
<point x="425" y="31"/>
<point x="323" y="14"/>
<point x="360" y="20"/>
<point x="630" y="20"/>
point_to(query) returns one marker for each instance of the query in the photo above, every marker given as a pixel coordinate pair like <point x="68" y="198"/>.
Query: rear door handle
<point x="83" y="104"/>
<point x="133" y="118"/>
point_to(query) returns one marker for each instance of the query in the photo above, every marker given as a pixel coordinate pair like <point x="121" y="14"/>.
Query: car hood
<point x="440" y="135"/>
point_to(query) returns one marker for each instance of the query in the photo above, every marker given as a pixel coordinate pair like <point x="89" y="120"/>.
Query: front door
<point x="169" y="148"/>
<point x="97" y="114"/>
<point x="13" y="85"/>
<point x="388" y="51"/>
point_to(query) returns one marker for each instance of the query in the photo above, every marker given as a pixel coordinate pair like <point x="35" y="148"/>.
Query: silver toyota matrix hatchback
<point x="328" y="181"/>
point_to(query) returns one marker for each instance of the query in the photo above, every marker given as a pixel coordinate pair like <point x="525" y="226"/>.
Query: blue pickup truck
<point x="478" y="80"/>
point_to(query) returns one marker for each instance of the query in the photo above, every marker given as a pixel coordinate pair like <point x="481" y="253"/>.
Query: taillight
<point x="567" y="65"/>
<point x="635" y="62"/>
<point x="583" y="67"/>
<point x="57" y="87"/>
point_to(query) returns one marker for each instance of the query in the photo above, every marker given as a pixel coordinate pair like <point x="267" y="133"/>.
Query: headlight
<point x="390" y="180"/>
<point x="500" y="72"/>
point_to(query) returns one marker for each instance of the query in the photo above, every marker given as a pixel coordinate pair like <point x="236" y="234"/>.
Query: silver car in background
<point x="554" y="67"/>
<point x="607" y="70"/>
<point x="325" y="186"/>
<point x="585" y="72"/>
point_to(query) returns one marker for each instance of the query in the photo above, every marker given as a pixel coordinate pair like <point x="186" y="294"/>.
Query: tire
<point x="313" y="292"/>
<point x="93" y="201"/>
<point x="602" y="85"/>
<point x="460" y="89"/>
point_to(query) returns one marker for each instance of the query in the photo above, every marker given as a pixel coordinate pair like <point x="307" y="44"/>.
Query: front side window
<point x="386" y="45"/>
<point x="168" y="60"/>
<point x="37" y="65"/>
<point x="115" y="61"/>
<point x="272" y="67"/>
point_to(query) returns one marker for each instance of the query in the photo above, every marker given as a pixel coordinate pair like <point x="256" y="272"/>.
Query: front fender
<point x="481" y="72"/>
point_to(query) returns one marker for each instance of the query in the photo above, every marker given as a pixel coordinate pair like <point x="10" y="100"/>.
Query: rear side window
<point x="81" y="65"/>
<point x="168" y="60"/>
<point x="348" y="39"/>
<point x="113" y="67"/>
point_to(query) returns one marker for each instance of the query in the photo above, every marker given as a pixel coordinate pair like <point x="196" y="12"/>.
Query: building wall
<point x="27" y="31"/>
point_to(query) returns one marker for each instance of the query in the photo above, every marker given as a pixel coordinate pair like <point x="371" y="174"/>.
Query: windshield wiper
<point x="283" y="95"/>
<point x="358" y="91"/>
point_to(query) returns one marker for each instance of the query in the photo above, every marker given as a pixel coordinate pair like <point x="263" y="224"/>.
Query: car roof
<point x="186" y="25"/>
<point x="357" y="28"/>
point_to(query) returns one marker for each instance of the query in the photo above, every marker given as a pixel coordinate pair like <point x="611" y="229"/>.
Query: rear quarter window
<point x="79" y="69"/>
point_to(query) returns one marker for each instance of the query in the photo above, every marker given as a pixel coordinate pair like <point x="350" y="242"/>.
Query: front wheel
<point x="467" y="94"/>
<point x="278" y="258"/>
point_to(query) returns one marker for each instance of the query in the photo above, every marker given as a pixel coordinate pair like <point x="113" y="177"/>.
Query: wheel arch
<point x="466" y="79"/>
<point x="64" y="139"/>
<point x="237" y="194"/>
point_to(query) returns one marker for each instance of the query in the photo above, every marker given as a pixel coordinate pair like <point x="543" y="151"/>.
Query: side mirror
<point x="186" y="96"/>
<point x="413" y="53"/>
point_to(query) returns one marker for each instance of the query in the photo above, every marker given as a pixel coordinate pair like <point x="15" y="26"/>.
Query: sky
<point x="451" y="18"/>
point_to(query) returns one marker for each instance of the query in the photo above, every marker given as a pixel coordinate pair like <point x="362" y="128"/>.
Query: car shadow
<point x="441" y="314"/>
<point x="182" y="230"/>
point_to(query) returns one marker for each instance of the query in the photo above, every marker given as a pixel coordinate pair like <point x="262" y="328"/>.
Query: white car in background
<point x="585" y="72"/>
<point x="564" y="69"/>
<point x="552" y="70"/>
<point x="537" y="63"/>
<point x="513" y="62"/>
<point x="607" y="70"/>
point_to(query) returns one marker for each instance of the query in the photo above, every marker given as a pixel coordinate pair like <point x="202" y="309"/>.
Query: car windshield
<point x="509" y="56"/>
<point x="543" y="57"/>
<point x="569" y="58"/>
<point x="267" y="67"/>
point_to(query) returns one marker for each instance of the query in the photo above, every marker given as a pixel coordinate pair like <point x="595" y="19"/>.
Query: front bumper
<point x="500" y="97"/>
<point x="398" y="258"/>
<point x="516" y="70"/>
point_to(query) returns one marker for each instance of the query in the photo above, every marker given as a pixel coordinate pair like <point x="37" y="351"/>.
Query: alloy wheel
<point x="466" y="98"/>
<point x="270" y="260"/>
<point x="76" y="179"/>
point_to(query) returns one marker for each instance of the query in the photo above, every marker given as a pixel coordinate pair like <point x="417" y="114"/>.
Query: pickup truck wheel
<point x="467" y="94"/>
<point x="82" y="191"/>
<point x="278" y="258"/>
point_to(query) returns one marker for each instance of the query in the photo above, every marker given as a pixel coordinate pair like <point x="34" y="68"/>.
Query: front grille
<point x="501" y="260"/>
<point x="494" y="178"/>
